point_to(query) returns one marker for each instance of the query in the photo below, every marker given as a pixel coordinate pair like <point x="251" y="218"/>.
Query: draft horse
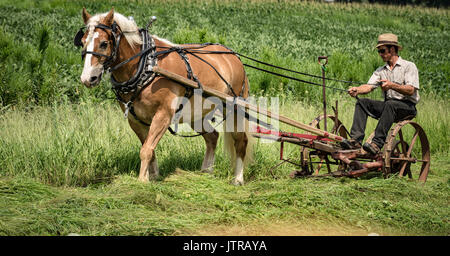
<point x="114" y="43"/>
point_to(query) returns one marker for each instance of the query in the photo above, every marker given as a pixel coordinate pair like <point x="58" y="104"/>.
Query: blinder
<point x="77" y="40"/>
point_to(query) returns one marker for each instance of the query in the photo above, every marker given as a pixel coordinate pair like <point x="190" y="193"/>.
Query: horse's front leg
<point x="149" y="167"/>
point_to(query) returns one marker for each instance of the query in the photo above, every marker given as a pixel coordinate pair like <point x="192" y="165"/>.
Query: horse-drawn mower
<point x="320" y="150"/>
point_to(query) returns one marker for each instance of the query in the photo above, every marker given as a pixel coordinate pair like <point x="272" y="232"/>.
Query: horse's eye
<point x="103" y="45"/>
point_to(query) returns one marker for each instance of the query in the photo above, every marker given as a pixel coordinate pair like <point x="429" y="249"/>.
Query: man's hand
<point x="403" y="89"/>
<point x="362" y="89"/>
<point x="353" y="91"/>
<point x="386" y="84"/>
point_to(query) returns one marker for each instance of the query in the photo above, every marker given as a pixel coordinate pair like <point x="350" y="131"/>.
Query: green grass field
<point x="69" y="161"/>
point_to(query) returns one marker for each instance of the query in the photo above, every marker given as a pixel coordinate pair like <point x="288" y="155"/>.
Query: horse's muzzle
<point x="91" y="81"/>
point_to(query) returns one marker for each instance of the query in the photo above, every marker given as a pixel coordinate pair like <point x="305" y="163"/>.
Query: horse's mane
<point x="126" y="25"/>
<point x="165" y="41"/>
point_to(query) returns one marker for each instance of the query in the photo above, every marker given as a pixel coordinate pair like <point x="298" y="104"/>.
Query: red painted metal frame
<point x="292" y="135"/>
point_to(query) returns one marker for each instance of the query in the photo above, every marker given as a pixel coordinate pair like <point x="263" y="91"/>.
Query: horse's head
<point x="99" y="43"/>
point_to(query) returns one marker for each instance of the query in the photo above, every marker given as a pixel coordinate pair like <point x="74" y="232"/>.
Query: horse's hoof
<point x="209" y="170"/>
<point x="153" y="177"/>
<point x="237" y="182"/>
<point x="148" y="178"/>
<point x="143" y="180"/>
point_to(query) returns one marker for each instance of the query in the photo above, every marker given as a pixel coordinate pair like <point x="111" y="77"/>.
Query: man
<point x="399" y="81"/>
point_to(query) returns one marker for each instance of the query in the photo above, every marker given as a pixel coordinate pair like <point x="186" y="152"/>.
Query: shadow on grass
<point x="129" y="162"/>
<point x="191" y="162"/>
<point x="371" y="175"/>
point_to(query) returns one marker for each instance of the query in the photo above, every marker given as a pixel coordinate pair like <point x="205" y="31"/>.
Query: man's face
<point x="385" y="52"/>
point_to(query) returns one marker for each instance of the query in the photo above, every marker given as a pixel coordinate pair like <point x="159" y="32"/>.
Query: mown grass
<point x="73" y="168"/>
<point x="187" y="202"/>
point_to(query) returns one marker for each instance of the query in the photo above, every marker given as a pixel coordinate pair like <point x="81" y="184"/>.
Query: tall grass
<point x="81" y="144"/>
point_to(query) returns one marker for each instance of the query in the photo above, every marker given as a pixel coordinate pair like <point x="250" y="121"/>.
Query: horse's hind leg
<point x="236" y="143"/>
<point x="211" y="144"/>
<point x="240" y="145"/>
<point x="149" y="167"/>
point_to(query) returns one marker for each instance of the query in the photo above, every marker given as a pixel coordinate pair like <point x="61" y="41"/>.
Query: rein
<point x="196" y="50"/>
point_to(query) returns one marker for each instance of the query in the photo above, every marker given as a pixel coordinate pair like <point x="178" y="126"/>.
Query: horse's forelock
<point x="93" y="21"/>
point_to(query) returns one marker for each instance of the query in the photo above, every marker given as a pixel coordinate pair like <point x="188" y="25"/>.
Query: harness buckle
<point x="127" y="109"/>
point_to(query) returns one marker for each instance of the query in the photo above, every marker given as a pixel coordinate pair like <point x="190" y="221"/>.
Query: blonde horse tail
<point x="228" y="142"/>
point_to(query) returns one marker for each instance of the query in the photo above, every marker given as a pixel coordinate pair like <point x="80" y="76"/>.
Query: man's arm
<point x="362" y="89"/>
<point x="403" y="89"/>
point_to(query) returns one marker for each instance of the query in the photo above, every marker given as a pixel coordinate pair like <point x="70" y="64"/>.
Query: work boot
<point x="371" y="148"/>
<point x="350" y="144"/>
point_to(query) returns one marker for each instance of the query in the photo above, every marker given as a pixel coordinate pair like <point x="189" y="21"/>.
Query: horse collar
<point x="141" y="79"/>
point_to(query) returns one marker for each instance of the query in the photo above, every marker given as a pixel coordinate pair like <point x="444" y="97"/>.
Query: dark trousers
<point x="387" y="112"/>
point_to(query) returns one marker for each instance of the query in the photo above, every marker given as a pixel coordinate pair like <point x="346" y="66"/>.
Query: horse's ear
<point x="86" y="16"/>
<point x="109" y="17"/>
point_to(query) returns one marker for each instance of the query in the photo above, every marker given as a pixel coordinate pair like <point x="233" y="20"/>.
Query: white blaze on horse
<point x="112" y="41"/>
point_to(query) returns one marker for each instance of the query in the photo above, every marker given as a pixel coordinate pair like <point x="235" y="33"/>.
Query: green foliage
<point x="430" y="3"/>
<point x="184" y="35"/>
<point x="43" y="66"/>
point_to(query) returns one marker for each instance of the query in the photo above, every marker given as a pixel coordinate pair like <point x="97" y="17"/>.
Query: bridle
<point x="147" y="61"/>
<point x="116" y="36"/>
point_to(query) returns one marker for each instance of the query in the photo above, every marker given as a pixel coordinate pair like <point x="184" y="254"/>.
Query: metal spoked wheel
<point x="407" y="144"/>
<point x="313" y="161"/>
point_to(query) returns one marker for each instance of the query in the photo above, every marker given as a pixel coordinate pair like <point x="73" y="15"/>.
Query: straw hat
<point x="388" y="39"/>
